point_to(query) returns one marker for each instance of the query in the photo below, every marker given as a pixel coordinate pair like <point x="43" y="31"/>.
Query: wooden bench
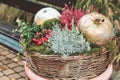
<point x="8" y="38"/>
<point x="33" y="7"/>
<point x="11" y="39"/>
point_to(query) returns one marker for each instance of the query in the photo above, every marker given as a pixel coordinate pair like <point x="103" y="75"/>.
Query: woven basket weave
<point x="82" y="67"/>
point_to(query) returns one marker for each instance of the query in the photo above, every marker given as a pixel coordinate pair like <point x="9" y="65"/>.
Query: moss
<point x="50" y="23"/>
<point x="38" y="48"/>
<point x="92" y="50"/>
<point x="87" y="52"/>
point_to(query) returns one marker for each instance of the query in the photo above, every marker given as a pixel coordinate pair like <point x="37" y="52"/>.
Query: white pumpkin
<point x="96" y="27"/>
<point x="45" y="14"/>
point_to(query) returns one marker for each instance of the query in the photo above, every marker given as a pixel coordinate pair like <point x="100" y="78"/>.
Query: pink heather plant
<point x="70" y="13"/>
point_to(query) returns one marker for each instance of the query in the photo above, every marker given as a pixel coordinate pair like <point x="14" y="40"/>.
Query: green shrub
<point x="66" y="42"/>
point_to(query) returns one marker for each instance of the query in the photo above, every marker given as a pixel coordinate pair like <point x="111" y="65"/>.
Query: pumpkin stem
<point x="44" y="11"/>
<point x="97" y="21"/>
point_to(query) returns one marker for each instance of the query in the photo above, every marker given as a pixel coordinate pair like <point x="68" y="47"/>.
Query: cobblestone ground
<point x="10" y="69"/>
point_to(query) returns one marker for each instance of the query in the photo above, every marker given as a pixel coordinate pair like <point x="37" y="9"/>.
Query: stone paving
<point x="10" y="68"/>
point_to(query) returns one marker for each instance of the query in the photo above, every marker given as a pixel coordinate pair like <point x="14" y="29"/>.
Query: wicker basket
<point x="82" y="67"/>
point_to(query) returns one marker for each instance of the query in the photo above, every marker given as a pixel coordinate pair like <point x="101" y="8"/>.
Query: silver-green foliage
<point x="67" y="42"/>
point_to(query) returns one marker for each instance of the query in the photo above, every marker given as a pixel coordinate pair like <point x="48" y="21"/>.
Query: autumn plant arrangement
<point x="64" y="45"/>
<point x="58" y="36"/>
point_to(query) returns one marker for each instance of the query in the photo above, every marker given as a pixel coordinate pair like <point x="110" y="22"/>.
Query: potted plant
<point x="70" y="45"/>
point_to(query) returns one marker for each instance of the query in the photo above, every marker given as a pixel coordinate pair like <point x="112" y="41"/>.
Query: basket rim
<point x="58" y="57"/>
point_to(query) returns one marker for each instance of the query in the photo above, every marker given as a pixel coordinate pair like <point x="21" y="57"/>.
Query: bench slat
<point x="24" y="5"/>
<point x="33" y="7"/>
<point x="59" y="2"/>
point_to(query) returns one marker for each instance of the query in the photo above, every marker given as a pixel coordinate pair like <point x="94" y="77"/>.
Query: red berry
<point x="38" y="33"/>
<point x="34" y="39"/>
<point x="39" y="42"/>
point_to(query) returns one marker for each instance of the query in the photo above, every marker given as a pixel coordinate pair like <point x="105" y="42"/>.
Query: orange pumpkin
<point x="96" y="27"/>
